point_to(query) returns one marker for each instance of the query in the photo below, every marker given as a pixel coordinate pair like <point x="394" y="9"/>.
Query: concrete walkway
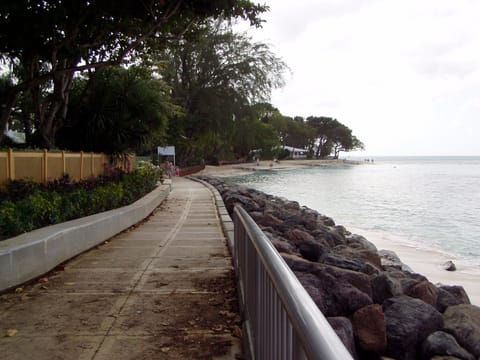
<point x="164" y="290"/>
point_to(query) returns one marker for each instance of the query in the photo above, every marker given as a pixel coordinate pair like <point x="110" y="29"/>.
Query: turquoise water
<point x="433" y="202"/>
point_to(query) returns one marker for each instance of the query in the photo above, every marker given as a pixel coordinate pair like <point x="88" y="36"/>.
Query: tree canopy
<point x="332" y="136"/>
<point x="46" y="42"/>
<point x="116" y="76"/>
<point x="117" y="110"/>
<point x="217" y="75"/>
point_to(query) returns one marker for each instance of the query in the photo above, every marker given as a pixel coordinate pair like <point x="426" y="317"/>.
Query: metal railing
<point x="282" y="322"/>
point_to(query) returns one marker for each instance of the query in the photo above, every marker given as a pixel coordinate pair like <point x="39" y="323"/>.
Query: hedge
<point x="26" y="205"/>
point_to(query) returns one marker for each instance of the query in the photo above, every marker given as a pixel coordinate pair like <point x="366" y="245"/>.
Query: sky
<point x="403" y="75"/>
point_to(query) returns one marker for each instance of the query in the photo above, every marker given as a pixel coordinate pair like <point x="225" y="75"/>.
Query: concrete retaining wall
<point x="32" y="254"/>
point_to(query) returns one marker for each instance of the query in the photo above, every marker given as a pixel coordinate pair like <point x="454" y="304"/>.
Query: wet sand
<point x="430" y="263"/>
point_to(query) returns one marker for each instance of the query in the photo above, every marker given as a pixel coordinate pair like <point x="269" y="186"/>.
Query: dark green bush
<point x="31" y="206"/>
<point x="9" y="220"/>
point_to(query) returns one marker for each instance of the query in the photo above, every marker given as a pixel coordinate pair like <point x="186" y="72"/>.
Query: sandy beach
<point x="247" y="168"/>
<point x="429" y="262"/>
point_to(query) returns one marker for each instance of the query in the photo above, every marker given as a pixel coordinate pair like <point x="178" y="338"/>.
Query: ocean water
<point x="429" y="202"/>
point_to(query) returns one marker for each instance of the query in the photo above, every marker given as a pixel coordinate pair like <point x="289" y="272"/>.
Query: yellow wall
<point x="43" y="165"/>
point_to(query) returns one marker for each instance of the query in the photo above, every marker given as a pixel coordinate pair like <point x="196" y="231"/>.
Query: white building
<point x="296" y="153"/>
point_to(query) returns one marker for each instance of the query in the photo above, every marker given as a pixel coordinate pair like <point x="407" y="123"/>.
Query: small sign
<point x="166" y="151"/>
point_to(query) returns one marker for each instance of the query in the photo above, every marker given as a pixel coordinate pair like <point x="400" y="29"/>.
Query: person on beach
<point x="168" y="168"/>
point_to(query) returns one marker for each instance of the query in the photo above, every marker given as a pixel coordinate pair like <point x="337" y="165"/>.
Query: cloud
<point x="445" y="68"/>
<point x="290" y="19"/>
<point x="400" y="74"/>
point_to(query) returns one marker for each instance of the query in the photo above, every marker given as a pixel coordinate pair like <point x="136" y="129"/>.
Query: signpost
<point x="166" y="151"/>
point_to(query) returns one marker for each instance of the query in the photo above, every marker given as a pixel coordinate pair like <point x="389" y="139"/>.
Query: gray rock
<point x="390" y="256"/>
<point x="370" y="269"/>
<point x="296" y="221"/>
<point x="409" y="322"/>
<point x="299" y="264"/>
<point x="333" y="294"/>
<point x="458" y="292"/>
<point x="357" y="252"/>
<point x="385" y="287"/>
<point x="324" y="236"/>
<point x="282" y="245"/>
<point x="391" y="259"/>
<point x="247" y="203"/>
<point x="343" y="327"/>
<point x="450" y="266"/>
<point x="448" y="296"/>
<point x="360" y="280"/>
<point x="442" y="344"/>
<point x="463" y="322"/>
<point x="337" y="234"/>
<point x="344" y="263"/>
<point x="267" y="220"/>
<point x="359" y="239"/>
<point x="312" y="285"/>
<point x="311" y="250"/>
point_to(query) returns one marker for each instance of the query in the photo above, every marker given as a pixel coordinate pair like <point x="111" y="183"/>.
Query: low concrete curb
<point x="225" y="219"/>
<point x="32" y="254"/>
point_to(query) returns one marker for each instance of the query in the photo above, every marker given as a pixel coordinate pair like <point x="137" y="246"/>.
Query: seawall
<point x="376" y="304"/>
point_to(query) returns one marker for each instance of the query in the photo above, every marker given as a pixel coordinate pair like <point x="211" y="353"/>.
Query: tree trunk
<point x="7" y="105"/>
<point x="53" y="119"/>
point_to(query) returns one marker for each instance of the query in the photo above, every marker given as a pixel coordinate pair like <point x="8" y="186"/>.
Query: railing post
<point x="298" y="352"/>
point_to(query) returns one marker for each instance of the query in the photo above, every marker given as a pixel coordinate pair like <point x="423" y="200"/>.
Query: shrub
<point x="18" y="189"/>
<point x="30" y="206"/>
<point x="9" y="221"/>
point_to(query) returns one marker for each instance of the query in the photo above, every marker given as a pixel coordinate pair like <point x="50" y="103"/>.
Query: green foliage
<point x="332" y="135"/>
<point x="39" y="209"/>
<point x="140" y="182"/>
<point x="10" y="223"/>
<point x="58" y="38"/>
<point x="216" y="75"/>
<point x="142" y="58"/>
<point x="17" y="189"/>
<point x="290" y="131"/>
<point x="50" y="204"/>
<point x="117" y="110"/>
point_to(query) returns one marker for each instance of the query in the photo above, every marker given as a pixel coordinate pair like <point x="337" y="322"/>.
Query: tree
<point x="47" y="42"/>
<point x="217" y="75"/>
<point x="117" y="110"/>
<point x="323" y="130"/>
<point x="268" y="114"/>
<point x="299" y="134"/>
<point x="253" y="133"/>
<point x="343" y="140"/>
<point x="331" y="135"/>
